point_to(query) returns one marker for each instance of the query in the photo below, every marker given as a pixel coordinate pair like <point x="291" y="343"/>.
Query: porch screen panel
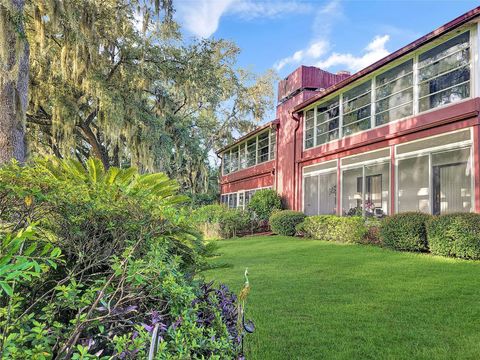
<point x="377" y="189"/>
<point x="444" y="73"/>
<point x="352" y="191"/>
<point x="311" y="195"/>
<point x="452" y="182"/>
<point x="327" y="193"/>
<point x="413" y="184"/>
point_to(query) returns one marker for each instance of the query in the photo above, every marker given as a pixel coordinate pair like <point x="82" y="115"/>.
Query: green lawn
<point x="318" y="300"/>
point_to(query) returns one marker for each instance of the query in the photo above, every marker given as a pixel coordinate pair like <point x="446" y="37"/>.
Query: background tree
<point x="110" y="80"/>
<point x="13" y="80"/>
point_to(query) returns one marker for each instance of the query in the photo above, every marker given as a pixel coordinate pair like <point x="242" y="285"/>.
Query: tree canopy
<point x="116" y="80"/>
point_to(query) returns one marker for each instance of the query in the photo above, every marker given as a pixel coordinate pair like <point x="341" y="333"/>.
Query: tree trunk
<point x="14" y="68"/>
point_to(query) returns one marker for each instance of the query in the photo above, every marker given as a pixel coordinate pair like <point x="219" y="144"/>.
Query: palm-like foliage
<point x="156" y="187"/>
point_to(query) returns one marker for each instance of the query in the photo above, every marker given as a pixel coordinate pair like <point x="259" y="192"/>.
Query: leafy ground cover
<point x="313" y="299"/>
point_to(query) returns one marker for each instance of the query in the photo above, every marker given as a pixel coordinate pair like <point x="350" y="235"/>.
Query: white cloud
<point x="202" y="17"/>
<point x="314" y="51"/>
<point x="325" y="17"/>
<point x="374" y="51"/>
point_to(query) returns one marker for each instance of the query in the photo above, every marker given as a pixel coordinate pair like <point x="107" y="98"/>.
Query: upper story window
<point x="444" y="73"/>
<point x="357" y="108"/>
<point x="394" y="93"/>
<point x="424" y="80"/>
<point x="258" y="149"/>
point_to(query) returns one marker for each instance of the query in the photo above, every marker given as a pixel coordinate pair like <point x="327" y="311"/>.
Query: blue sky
<point x="331" y="34"/>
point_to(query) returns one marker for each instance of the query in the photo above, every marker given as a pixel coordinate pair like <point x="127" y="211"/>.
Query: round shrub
<point x="405" y="231"/>
<point x="345" y="229"/>
<point x="284" y="222"/>
<point x="263" y="203"/>
<point x="456" y="235"/>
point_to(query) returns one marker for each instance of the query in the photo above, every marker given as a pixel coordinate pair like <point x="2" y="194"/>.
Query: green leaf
<point x="7" y="288"/>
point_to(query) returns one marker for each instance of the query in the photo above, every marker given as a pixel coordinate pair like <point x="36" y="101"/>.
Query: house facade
<point x="400" y="135"/>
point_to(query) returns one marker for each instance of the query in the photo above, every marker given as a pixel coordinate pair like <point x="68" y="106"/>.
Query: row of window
<point x="239" y="200"/>
<point x="253" y="151"/>
<point x="432" y="175"/>
<point x="437" y="77"/>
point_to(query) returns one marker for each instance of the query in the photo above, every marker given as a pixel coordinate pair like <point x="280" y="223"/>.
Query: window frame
<point x="459" y="145"/>
<point x="242" y="148"/>
<point x="474" y="65"/>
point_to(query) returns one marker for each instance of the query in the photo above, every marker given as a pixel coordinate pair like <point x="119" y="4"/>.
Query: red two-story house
<point x="400" y="135"/>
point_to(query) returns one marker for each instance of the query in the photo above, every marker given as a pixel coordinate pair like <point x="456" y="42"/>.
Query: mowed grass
<point x="312" y="299"/>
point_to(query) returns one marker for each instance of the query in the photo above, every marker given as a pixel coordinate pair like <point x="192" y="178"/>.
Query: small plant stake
<point x="247" y="325"/>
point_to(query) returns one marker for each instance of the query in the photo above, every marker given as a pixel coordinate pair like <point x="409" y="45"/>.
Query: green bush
<point x="109" y="256"/>
<point x="284" y="222"/>
<point x="405" y="231"/>
<point x="220" y="222"/>
<point x="345" y="229"/>
<point x="263" y="203"/>
<point x="456" y="235"/>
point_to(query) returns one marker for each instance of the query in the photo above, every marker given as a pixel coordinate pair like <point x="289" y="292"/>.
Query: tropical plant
<point x="116" y="256"/>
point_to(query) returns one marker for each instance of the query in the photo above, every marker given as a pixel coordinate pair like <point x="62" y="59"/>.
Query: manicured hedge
<point x="284" y="222"/>
<point x="345" y="229"/>
<point x="220" y="222"/>
<point x="456" y="235"/>
<point x="405" y="231"/>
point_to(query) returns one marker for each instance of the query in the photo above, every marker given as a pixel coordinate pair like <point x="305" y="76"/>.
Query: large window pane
<point x="451" y="182"/>
<point x="252" y="152"/>
<point x="309" y="128"/>
<point x="352" y="191"/>
<point x="377" y="185"/>
<point x="242" y="156"/>
<point x="444" y="73"/>
<point x="394" y="93"/>
<point x="263" y="147"/>
<point x="327" y="121"/>
<point x="311" y="195"/>
<point x="357" y="109"/>
<point x="413" y="185"/>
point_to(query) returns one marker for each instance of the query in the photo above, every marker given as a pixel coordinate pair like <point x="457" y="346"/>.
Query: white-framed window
<point x="239" y="199"/>
<point x="435" y="174"/>
<point x="357" y="108"/>
<point x="394" y="93"/>
<point x="438" y="74"/>
<point x="255" y="150"/>
<point x="444" y="73"/>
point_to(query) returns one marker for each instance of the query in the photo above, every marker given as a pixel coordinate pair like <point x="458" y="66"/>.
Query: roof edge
<point x="462" y="19"/>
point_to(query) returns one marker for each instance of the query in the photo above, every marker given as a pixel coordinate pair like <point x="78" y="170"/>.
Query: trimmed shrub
<point x="220" y="222"/>
<point x="284" y="222"/>
<point x="456" y="235"/>
<point x="351" y="229"/>
<point x="263" y="203"/>
<point x="405" y="231"/>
